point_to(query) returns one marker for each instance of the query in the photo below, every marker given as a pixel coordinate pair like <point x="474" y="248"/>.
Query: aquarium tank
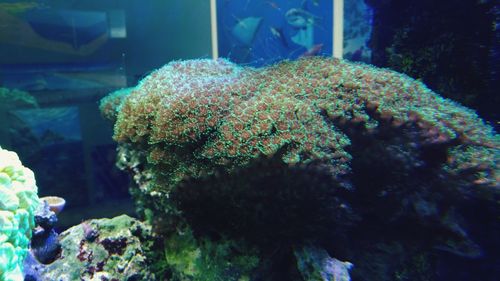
<point x="249" y="140"/>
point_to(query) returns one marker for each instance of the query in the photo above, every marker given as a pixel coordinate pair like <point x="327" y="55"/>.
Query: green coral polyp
<point x="227" y="116"/>
<point x="110" y="105"/>
<point x="18" y="201"/>
<point x="208" y="141"/>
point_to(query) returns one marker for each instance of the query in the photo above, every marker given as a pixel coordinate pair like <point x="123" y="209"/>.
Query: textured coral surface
<point x="18" y="201"/>
<point x="192" y="117"/>
<point x="365" y="164"/>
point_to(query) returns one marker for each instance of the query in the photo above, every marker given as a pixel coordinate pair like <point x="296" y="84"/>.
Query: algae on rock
<point x="103" y="249"/>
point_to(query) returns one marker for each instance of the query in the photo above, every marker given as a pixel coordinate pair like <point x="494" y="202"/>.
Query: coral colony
<point x="317" y="169"/>
<point x="195" y="116"/>
<point x="278" y="164"/>
<point x="18" y="201"/>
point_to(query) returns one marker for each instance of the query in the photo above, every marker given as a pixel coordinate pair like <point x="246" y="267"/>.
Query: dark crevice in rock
<point x="114" y="246"/>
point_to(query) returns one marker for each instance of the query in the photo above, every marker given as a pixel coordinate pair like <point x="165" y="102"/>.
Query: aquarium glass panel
<point x="263" y="32"/>
<point x="57" y="60"/>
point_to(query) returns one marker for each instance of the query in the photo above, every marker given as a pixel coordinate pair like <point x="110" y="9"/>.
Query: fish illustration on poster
<point x="257" y="33"/>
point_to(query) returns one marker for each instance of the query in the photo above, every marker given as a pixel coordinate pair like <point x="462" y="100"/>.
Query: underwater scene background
<point x="223" y="140"/>
<point x="265" y="32"/>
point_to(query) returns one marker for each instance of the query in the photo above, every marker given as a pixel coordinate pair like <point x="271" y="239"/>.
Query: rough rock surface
<point x="102" y="249"/>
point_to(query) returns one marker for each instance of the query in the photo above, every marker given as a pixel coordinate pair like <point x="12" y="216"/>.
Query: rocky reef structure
<point x="18" y="202"/>
<point x="364" y="164"/>
<point x="101" y="249"/>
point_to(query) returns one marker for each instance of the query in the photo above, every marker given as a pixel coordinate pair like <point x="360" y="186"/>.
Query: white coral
<point x="18" y="201"/>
